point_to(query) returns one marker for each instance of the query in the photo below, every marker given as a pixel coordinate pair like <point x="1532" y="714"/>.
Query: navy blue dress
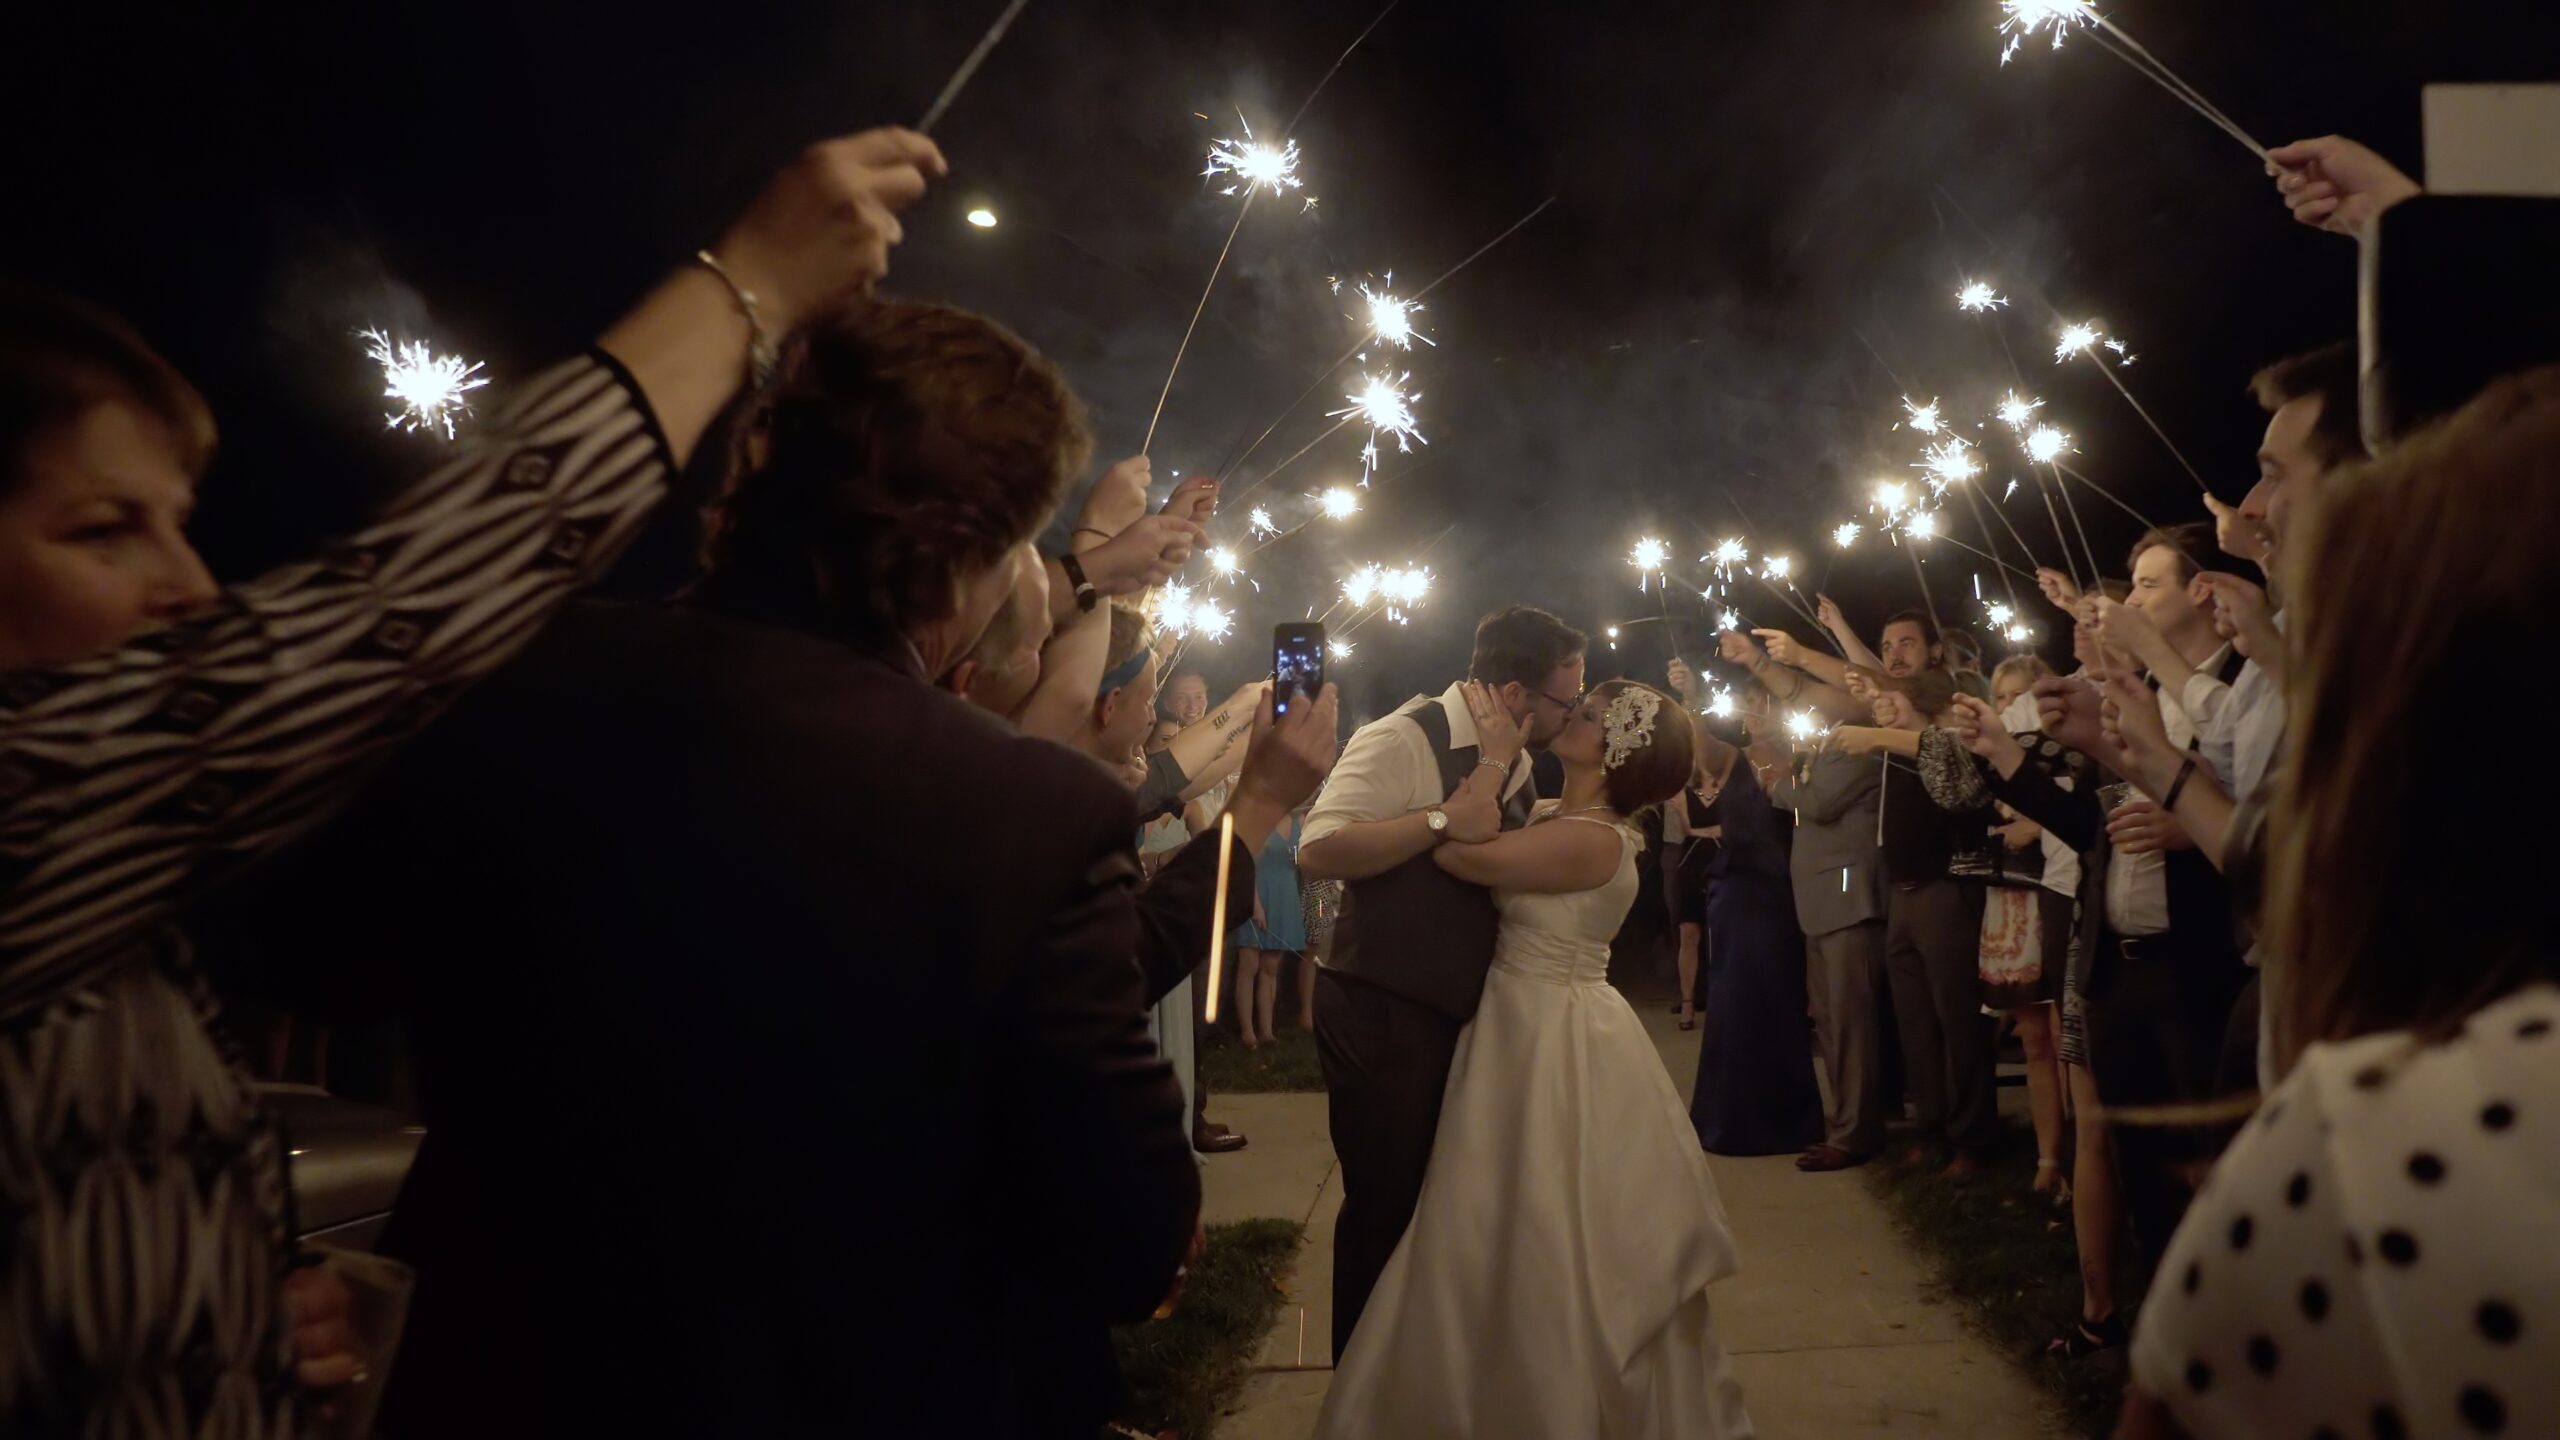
<point x="1756" y="1093"/>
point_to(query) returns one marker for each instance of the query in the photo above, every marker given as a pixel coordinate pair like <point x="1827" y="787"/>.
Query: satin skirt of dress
<point x="1554" y="1279"/>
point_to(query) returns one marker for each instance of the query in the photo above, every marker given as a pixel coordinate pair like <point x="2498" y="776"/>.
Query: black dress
<point x="1756" y="1092"/>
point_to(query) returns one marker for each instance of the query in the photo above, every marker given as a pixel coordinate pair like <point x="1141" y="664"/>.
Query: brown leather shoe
<point x="1212" y="1138"/>
<point x="1827" y="1157"/>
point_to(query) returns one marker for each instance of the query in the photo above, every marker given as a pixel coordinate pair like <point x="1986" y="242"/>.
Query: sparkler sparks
<point x="1803" y="726"/>
<point x="1845" y="535"/>
<point x="2020" y="634"/>
<point x="1922" y="526"/>
<point x="1732" y="620"/>
<point x="1340" y="503"/>
<point x="1650" y="555"/>
<point x="1721" y="706"/>
<point x="2046" y="444"/>
<point x="1253" y="163"/>
<point x="2016" y="412"/>
<point x="2075" y="340"/>
<point x="1361" y="586"/>
<point x="1223" y="560"/>
<point x="431" y="388"/>
<point x="1178" y="612"/>
<point x="1924" y="418"/>
<point x="1261" y="523"/>
<point x="1339" y="649"/>
<point x="1383" y="405"/>
<point x="1977" y="297"/>
<point x="1950" y="463"/>
<point x="1892" y="497"/>
<point x="2001" y="615"/>
<point x="2022" y="18"/>
<point x="1776" y="567"/>
<point x="1391" y="319"/>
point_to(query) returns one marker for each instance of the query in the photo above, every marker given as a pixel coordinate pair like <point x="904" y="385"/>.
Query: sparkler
<point x="1649" y="556"/>
<point x="1259" y="167"/>
<point x="432" y="389"/>
<point x="2000" y="615"/>
<point x="1950" y="462"/>
<point x="1923" y="418"/>
<point x="2015" y="411"/>
<point x="1254" y="164"/>
<point x="1922" y="526"/>
<point x="1261" y="523"/>
<point x="1845" y="534"/>
<point x="1721" y="705"/>
<point x="2020" y="634"/>
<point x="2022" y="18"/>
<point x="1732" y="620"/>
<point x="968" y="67"/>
<point x="1385" y="407"/>
<point x="2079" y="340"/>
<point x="1391" y="319"/>
<point x="1340" y="503"/>
<point x="1976" y="297"/>
<point x="2047" y="445"/>
<point x="1339" y="649"/>
<point x="1803" y="726"/>
<point x="1223" y="560"/>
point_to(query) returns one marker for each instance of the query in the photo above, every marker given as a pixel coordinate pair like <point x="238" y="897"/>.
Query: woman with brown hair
<point x="2374" y="1254"/>
<point x="158" y="734"/>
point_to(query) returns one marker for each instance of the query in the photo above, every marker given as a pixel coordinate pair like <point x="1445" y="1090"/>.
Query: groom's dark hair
<point x="1524" y="644"/>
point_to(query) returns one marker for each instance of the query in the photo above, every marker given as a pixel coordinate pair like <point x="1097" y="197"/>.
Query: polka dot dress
<point x="2378" y="1254"/>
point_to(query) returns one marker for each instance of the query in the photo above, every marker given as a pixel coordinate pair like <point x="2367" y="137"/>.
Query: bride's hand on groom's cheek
<point x="1497" y="734"/>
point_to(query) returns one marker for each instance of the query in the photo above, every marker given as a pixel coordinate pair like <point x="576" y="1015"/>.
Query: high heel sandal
<point x="2089" y="1337"/>
<point x="1688" y="1017"/>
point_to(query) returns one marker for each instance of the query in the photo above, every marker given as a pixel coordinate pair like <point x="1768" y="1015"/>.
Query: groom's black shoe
<point x="1211" y="1138"/>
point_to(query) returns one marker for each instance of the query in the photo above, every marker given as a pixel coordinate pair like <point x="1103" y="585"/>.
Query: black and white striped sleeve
<point x="126" y="778"/>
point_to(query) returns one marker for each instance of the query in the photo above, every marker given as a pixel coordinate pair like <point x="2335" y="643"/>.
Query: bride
<point x="1554" y="1279"/>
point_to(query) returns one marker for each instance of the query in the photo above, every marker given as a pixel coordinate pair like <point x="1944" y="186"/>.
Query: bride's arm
<point x="1557" y="858"/>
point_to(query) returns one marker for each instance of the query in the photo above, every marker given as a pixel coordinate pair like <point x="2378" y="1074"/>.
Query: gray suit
<point x="1838" y="869"/>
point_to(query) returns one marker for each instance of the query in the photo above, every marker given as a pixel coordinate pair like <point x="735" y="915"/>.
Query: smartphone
<point x="1297" y="665"/>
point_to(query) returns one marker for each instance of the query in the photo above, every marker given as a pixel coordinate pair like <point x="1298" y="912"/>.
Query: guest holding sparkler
<point x="2411" y="1114"/>
<point x="114" y="643"/>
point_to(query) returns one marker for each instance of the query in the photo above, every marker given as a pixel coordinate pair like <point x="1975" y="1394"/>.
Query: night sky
<point x="1763" y="213"/>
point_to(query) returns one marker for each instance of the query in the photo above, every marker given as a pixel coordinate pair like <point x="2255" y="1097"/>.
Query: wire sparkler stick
<point x="2174" y="452"/>
<point x="2147" y="522"/>
<point x="1926" y="598"/>
<point x="1241" y="211"/>
<point x="1940" y="537"/>
<point x="1985" y="527"/>
<point x="968" y="67"/>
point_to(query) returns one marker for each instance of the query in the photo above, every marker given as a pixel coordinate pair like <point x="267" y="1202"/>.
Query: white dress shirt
<point x="2138" y="885"/>
<point x="1388" y="770"/>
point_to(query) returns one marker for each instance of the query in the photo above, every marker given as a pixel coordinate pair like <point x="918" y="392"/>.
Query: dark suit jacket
<point x="783" y="1056"/>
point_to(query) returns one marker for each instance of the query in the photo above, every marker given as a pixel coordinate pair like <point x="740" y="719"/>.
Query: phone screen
<point x="1297" y="665"/>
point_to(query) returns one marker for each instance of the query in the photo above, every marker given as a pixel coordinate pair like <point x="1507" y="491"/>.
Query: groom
<point x="1412" y="946"/>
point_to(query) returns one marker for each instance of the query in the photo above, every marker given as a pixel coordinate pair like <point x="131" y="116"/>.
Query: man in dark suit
<point x="755" y="1104"/>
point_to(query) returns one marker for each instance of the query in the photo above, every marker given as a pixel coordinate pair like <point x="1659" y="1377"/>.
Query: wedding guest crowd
<point x="2192" y="876"/>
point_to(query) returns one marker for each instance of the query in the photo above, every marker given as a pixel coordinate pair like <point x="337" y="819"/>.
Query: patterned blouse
<point x="143" y="1192"/>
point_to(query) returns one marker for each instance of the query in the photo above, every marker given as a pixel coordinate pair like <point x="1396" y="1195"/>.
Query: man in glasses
<point x="1413" y="943"/>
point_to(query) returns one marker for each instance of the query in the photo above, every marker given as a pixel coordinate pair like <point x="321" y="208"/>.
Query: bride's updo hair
<point x="1658" y="767"/>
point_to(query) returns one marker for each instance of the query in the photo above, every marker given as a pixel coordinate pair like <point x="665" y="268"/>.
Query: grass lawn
<point x="1184" y="1369"/>
<point x="1288" y="1063"/>
<point x="2008" y="1261"/>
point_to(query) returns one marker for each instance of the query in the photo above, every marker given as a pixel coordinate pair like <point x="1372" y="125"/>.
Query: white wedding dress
<point x="1554" y="1280"/>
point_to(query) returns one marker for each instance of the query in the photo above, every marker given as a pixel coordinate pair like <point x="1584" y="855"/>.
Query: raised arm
<point x="1211" y="750"/>
<point x="145" y="772"/>
<point x="1560" y="857"/>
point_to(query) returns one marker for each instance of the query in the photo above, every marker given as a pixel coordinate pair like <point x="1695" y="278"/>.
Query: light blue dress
<point x="1284" y="911"/>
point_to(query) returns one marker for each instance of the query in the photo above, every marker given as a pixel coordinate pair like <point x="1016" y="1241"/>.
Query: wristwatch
<point x="1437" y="819"/>
<point x="1086" y="596"/>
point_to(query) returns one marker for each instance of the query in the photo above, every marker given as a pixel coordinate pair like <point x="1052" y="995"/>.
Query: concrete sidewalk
<point x="1830" y="1323"/>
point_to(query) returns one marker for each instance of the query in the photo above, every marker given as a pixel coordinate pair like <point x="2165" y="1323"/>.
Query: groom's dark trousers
<point x="1410" y="952"/>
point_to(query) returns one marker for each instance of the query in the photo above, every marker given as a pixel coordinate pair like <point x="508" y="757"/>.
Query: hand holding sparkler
<point x="2060" y="589"/>
<point x="1195" y="499"/>
<point x="1143" y="556"/>
<point x="1737" y="648"/>
<point x="1115" y="502"/>
<point x="2240" y="614"/>
<point x="2067" y="709"/>
<point x="2335" y="184"/>
<point x="1684" y="682"/>
<point x="1782" y="647"/>
<point x="825" y="225"/>
<point x="2241" y="535"/>
<point x="1979" y="729"/>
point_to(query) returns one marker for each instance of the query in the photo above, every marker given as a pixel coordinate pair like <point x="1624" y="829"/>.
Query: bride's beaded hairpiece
<point x="1630" y="724"/>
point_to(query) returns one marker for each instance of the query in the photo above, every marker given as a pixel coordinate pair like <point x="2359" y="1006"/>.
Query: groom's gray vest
<point x="1417" y="930"/>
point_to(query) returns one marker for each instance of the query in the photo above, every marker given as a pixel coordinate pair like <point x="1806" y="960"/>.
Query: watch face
<point x="1439" y="820"/>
